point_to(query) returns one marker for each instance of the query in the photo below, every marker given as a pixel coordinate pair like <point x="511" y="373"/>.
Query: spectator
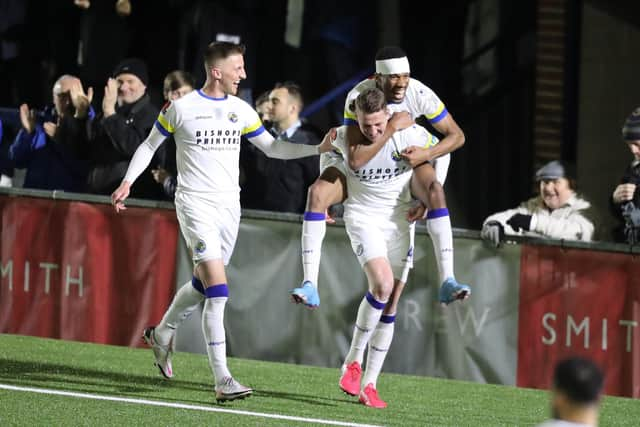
<point x="263" y="107"/>
<point x="285" y="182"/>
<point x="6" y="165"/>
<point x="557" y="212"/>
<point x="252" y="184"/>
<point x="52" y="145"/>
<point x="625" y="200"/>
<point x="575" y="394"/>
<point x="176" y="84"/>
<point x="127" y="117"/>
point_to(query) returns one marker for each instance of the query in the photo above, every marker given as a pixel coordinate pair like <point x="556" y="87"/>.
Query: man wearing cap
<point x="127" y="117"/>
<point x="558" y="212"/>
<point x="625" y="196"/>
<point x="402" y="94"/>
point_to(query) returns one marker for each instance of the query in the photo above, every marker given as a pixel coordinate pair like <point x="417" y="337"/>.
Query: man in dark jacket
<point x="625" y="199"/>
<point x="284" y="183"/>
<point x="127" y="117"/>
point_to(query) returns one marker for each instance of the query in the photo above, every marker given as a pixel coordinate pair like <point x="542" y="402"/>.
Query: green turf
<point x="284" y="389"/>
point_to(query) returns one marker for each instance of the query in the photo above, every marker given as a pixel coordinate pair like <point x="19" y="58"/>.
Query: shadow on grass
<point x="302" y="398"/>
<point x="57" y="376"/>
<point x="18" y="371"/>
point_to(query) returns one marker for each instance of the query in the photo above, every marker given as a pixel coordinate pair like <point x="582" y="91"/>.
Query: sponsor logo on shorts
<point x="233" y="117"/>
<point x="410" y="253"/>
<point x="201" y="246"/>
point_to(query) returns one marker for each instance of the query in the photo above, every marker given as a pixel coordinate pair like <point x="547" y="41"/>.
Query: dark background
<point x="484" y="58"/>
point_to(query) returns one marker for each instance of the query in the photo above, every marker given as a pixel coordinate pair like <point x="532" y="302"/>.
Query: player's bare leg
<point x="429" y="191"/>
<point x="327" y="190"/>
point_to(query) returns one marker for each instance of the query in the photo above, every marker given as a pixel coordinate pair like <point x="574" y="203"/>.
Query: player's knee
<point x="320" y="195"/>
<point x="381" y="289"/>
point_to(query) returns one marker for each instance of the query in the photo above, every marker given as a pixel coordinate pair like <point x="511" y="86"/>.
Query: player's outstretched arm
<point x="281" y="149"/>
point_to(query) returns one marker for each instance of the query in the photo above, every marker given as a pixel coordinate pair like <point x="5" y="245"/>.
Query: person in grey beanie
<point x="625" y="199"/>
<point x="557" y="212"/>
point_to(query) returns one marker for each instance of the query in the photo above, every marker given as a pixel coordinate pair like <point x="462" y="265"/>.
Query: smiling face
<point x="394" y="86"/>
<point x="555" y="192"/>
<point x="230" y="72"/>
<point x="373" y="125"/>
<point x="130" y="88"/>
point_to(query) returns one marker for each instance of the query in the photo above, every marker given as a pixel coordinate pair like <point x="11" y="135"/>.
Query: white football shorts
<point x="209" y="230"/>
<point x="332" y="159"/>
<point x="391" y="239"/>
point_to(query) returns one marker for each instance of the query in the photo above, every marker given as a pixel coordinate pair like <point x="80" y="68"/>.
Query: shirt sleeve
<point x="429" y="103"/>
<point x="166" y="123"/>
<point x="143" y="155"/>
<point x="349" y="117"/>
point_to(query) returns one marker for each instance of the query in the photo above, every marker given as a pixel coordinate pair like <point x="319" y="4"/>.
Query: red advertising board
<point x="579" y="303"/>
<point x="80" y="271"/>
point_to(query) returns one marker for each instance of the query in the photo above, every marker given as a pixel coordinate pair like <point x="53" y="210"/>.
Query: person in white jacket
<point x="557" y="212"/>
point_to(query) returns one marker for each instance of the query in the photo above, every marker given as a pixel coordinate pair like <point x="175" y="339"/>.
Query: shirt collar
<point x="291" y="130"/>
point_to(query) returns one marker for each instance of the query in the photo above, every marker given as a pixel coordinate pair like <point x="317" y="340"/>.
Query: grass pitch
<point x="46" y="382"/>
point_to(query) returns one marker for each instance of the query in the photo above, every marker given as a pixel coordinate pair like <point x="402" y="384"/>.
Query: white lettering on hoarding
<point x="74" y="281"/>
<point x="629" y="323"/>
<point x="48" y="266"/>
<point x="74" y="276"/>
<point x="7" y="269"/>
<point x="571" y="326"/>
<point x="411" y="313"/>
<point x="584" y="327"/>
<point x="470" y="316"/>
<point x="549" y="328"/>
<point x="27" y="270"/>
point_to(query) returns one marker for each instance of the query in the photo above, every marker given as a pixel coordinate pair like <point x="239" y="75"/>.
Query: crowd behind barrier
<point x="73" y="269"/>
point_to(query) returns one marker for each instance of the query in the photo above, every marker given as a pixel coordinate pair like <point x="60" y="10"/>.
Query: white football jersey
<point x="381" y="186"/>
<point x="207" y="132"/>
<point x="419" y="100"/>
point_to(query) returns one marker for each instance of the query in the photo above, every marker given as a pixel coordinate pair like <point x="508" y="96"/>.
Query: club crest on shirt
<point x="233" y="117"/>
<point x="395" y="155"/>
<point x="201" y="246"/>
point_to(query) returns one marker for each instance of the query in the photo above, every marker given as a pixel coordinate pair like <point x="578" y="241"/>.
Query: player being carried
<point x="402" y="93"/>
<point x="375" y="215"/>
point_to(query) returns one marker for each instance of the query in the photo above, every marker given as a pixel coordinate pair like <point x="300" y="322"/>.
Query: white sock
<point x="368" y="316"/>
<point x="314" y="228"/>
<point x="184" y="303"/>
<point x="439" y="228"/>
<point x="378" y="348"/>
<point x="213" y="329"/>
